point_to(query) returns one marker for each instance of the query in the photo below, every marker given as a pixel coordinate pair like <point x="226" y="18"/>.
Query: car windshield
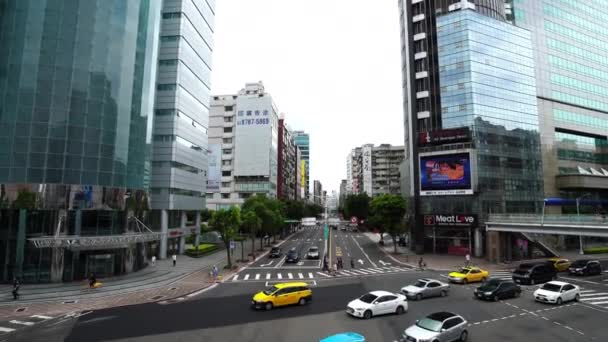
<point x="579" y="263"/>
<point x="368" y="298"/>
<point x="275" y="249"/>
<point x="429" y="324"/>
<point x="313" y="249"/>
<point x="551" y="287"/>
<point x="464" y="271"/>
<point x="420" y="284"/>
<point x="270" y="290"/>
<point x="490" y="285"/>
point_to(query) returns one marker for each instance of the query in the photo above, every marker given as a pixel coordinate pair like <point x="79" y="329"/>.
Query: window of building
<point x="228" y="108"/>
<point x="227" y="140"/>
<point x="421" y="65"/>
<point x="169" y="38"/>
<point x="228" y="119"/>
<point x="227" y="151"/>
<point x="167" y="62"/>
<point x="165" y="112"/>
<point x="167" y="86"/>
<point x="422" y="84"/>
<point x="227" y="129"/>
<point x="226" y="173"/>
<point x="225" y="184"/>
<point x="419" y="27"/>
<point x="423" y="105"/>
<point x="420" y="46"/>
<point x="172" y="15"/>
<point x="225" y="196"/>
<point x="226" y="162"/>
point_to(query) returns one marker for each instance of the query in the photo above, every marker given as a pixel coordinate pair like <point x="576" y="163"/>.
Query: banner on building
<point x="450" y="220"/>
<point x="367" y="170"/>
<point x="446" y="136"/>
<point x="214" y="172"/>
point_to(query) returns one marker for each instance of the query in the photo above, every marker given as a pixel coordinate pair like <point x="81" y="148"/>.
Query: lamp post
<point x="578" y="215"/>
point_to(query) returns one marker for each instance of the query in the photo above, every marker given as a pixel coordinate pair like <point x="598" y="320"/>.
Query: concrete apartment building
<point x="375" y="170"/>
<point x="243" y="147"/>
<point x="181" y="120"/>
<point x="287" y="163"/>
<point x="317" y="197"/>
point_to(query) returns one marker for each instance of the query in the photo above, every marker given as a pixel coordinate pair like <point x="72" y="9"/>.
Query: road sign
<point x="326" y="232"/>
<point x="353" y="219"/>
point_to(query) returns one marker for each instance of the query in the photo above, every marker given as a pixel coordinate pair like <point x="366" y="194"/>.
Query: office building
<point x="375" y="170"/>
<point x="179" y="158"/>
<point x="317" y="197"/>
<point x="302" y="140"/>
<point x="343" y="193"/>
<point x="471" y="121"/>
<point x="243" y="147"/>
<point x="287" y="163"/>
<point x="77" y="89"/>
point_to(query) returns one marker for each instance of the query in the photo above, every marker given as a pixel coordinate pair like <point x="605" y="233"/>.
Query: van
<point x="534" y="273"/>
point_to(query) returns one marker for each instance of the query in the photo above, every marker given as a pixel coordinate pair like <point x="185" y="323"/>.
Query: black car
<point x="275" y="252"/>
<point x="292" y="256"/>
<point x="534" y="273"/>
<point x="585" y="267"/>
<point x="496" y="289"/>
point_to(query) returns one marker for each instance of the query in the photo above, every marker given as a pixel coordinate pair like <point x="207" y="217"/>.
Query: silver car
<point x="424" y="288"/>
<point x="439" y="326"/>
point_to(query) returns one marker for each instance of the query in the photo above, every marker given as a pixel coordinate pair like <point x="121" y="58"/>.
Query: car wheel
<point x="464" y="281"/>
<point x="577" y="297"/>
<point x="495" y="298"/>
<point x="464" y="335"/>
<point x="443" y="293"/>
<point x="268" y="306"/>
<point x="419" y="296"/>
<point x="302" y="301"/>
<point x="400" y="310"/>
<point x="367" y="314"/>
<point x="559" y="301"/>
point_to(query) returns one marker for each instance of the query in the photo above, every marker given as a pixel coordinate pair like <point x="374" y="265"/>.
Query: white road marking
<point x="257" y="276"/>
<point x="279" y="275"/>
<point x="580" y="280"/>
<point x="300" y="275"/>
<point x="3" y="329"/>
<point x="267" y="276"/>
<point x="246" y="276"/>
<point x="235" y="278"/>
<point x="203" y="290"/>
<point x="268" y="264"/>
<point x="599" y="303"/>
<point x="290" y="275"/>
<point x="587" y="291"/>
<point x="594" y="298"/>
<point x="310" y="275"/>
<point x="21" y="322"/>
<point x="373" y="271"/>
<point x="362" y="251"/>
<point x="350" y="273"/>
<point x="362" y="271"/>
<point x="42" y="317"/>
<point x="323" y="274"/>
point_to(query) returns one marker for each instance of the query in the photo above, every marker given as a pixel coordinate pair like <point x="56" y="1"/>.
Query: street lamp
<point x="578" y="215"/>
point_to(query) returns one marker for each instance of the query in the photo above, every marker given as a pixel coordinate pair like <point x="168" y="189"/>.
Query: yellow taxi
<point x="560" y="264"/>
<point x="468" y="275"/>
<point x="282" y="294"/>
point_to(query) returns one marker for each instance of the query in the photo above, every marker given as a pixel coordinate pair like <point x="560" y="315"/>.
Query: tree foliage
<point x="357" y="205"/>
<point x="227" y="223"/>
<point x="387" y="213"/>
<point x="270" y="211"/>
<point x="251" y="224"/>
<point x="25" y="200"/>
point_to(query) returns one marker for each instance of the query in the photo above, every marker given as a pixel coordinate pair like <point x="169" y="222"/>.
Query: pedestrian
<point x="421" y="264"/>
<point x="92" y="280"/>
<point x="467" y="259"/>
<point x="153" y="260"/>
<point x="335" y="269"/>
<point x="215" y="272"/>
<point x="16" y="286"/>
<point x="352" y="263"/>
<point x="174" y="260"/>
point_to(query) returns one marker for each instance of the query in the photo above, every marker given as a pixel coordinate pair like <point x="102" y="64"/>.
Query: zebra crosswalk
<point x="594" y="297"/>
<point x="313" y="274"/>
<point x="502" y="275"/>
<point x="16" y="324"/>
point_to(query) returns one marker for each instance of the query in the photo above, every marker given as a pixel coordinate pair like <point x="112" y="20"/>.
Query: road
<point x="223" y="313"/>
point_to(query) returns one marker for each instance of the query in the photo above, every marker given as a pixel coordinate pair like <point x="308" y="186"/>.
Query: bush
<point x="203" y="249"/>
<point x="595" y="250"/>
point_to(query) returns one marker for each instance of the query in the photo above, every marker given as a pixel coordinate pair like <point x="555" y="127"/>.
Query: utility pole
<point x="578" y="215"/>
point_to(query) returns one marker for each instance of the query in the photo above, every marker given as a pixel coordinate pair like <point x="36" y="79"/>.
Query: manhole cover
<point x="20" y="309"/>
<point x="73" y="301"/>
<point x="156" y="297"/>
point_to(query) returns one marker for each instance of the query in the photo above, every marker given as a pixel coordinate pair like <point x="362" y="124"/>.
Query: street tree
<point x="388" y="211"/>
<point x="227" y="223"/>
<point x="251" y="224"/>
<point x="357" y="205"/>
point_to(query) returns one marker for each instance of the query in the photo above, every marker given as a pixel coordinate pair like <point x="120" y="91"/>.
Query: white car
<point x="377" y="303"/>
<point x="424" y="288"/>
<point x="557" y="292"/>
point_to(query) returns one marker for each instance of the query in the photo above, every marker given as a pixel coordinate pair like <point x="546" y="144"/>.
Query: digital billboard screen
<point x="446" y="174"/>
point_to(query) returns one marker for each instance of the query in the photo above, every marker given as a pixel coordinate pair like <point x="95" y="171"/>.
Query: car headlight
<point x="488" y="293"/>
<point x="359" y="309"/>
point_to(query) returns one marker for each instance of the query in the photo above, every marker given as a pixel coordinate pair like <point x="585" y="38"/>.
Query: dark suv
<point x="585" y="267"/>
<point x="534" y="273"/>
<point x="496" y="289"/>
<point x="275" y="252"/>
<point x="292" y="256"/>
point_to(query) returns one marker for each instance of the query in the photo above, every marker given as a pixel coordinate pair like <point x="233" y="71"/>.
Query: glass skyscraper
<point x="302" y="140"/>
<point x="77" y="82"/>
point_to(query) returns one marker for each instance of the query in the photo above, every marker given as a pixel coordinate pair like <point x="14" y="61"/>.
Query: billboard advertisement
<point x="214" y="172"/>
<point x="446" y="174"/>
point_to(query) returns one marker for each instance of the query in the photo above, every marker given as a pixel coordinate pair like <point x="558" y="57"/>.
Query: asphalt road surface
<point x="224" y="314"/>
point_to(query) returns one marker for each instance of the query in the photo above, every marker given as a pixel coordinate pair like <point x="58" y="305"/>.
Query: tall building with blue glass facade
<point x="302" y="141"/>
<point x="471" y="121"/>
<point x="77" y="82"/>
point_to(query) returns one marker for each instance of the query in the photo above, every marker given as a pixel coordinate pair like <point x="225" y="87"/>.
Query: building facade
<point x="244" y="133"/>
<point x="471" y="121"/>
<point x="287" y="163"/>
<point x="76" y="115"/>
<point x="317" y="197"/>
<point x="181" y="121"/>
<point x="375" y="170"/>
<point x="302" y="140"/>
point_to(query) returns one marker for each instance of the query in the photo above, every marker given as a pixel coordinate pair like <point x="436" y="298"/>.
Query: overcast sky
<point x="332" y="66"/>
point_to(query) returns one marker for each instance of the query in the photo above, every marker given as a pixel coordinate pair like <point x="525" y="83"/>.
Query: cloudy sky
<point x="332" y="66"/>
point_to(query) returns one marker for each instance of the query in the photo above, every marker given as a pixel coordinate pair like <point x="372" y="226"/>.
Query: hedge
<point x="595" y="250"/>
<point x="203" y="249"/>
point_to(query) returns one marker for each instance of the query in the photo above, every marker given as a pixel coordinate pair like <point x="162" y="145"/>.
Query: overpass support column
<point x="478" y="243"/>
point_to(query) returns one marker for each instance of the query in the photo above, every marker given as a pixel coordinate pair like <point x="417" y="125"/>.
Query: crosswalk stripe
<point x="593" y="294"/>
<point x="323" y="274"/>
<point x="345" y="272"/>
<point x="42" y="317"/>
<point x="257" y="276"/>
<point x="290" y="275"/>
<point x="378" y="269"/>
<point x="373" y="271"/>
<point x="267" y="276"/>
<point x="235" y="278"/>
<point x="246" y="276"/>
<point x="279" y="275"/>
<point x="587" y="291"/>
<point x="3" y="329"/>
<point x="594" y="298"/>
<point x="361" y="271"/>
<point x="300" y="275"/>
<point x="21" y="322"/>
<point x="310" y="275"/>
<point x="598" y="303"/>
<point x="395" y="269"/>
